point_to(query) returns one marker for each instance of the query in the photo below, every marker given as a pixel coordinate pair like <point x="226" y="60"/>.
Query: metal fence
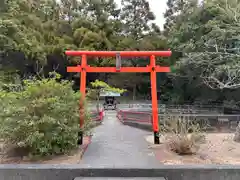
<point x="183" y="109"/>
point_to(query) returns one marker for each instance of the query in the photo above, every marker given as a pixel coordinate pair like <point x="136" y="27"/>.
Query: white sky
<point x="158" y="7"/>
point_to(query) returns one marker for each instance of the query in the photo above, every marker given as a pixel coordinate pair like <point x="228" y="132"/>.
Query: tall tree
<point x="177" y="11"/>
<point x="137" y="25"/>
<point x="208" y="37"/>
<point x="170" y="15"/>
<point x="137" y="17"/>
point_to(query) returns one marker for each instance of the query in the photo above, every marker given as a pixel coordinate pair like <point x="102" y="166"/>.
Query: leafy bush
<point x="184" y="136"/>
<point x="43" y="118"/>
<point x="100" y="86"/>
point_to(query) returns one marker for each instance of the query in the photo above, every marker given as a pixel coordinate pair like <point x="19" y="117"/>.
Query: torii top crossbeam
<point x="87" y="68"/>
<point x="121" y="53"/>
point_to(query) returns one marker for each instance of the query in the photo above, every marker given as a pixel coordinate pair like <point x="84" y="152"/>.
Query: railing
<point x="213" y="121"/>
<point x="97" y="116"/>
<point x="142" y="117"/>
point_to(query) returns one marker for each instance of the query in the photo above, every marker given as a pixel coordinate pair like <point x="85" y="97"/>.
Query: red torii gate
<point x="152" y="68"/>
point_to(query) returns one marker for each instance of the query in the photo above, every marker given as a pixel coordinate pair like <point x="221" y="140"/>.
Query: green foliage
<point x="137" y="15"/>
<point x="104" y="86"/>
<point x="43" y="118"/>
<point x="206" y="34"/>
<point x="204" y="38"/>
<point x="43" y="30"/>
<point x="99" y="86"/>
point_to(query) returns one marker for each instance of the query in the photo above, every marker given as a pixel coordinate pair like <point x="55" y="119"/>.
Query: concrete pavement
<point x="115" y="145"/>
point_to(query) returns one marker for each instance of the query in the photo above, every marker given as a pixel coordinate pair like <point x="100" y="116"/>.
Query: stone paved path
<point x="115" y="145"/>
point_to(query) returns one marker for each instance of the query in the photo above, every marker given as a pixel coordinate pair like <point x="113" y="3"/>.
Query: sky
<point x="158" y="7"/>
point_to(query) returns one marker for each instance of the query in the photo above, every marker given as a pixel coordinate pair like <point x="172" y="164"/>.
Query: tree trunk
<point x="134" y="92"/>
<point x="98" y="102"/>
<point x="237" y="134"/>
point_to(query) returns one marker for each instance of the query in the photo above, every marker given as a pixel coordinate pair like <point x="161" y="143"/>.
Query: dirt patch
<point x="219" y="148"/>
<point x="73" y="158"/>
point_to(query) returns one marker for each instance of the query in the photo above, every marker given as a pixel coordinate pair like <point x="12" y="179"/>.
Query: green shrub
<point x="43" y="118"/>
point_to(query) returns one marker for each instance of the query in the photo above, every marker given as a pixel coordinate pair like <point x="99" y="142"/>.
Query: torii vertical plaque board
<point x="152" y="68"/>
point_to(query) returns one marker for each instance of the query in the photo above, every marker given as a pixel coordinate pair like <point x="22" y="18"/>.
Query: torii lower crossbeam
<point x="152" y="68"/>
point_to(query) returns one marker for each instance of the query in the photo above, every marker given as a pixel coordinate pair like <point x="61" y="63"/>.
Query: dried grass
<point x="184" y="136"/>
